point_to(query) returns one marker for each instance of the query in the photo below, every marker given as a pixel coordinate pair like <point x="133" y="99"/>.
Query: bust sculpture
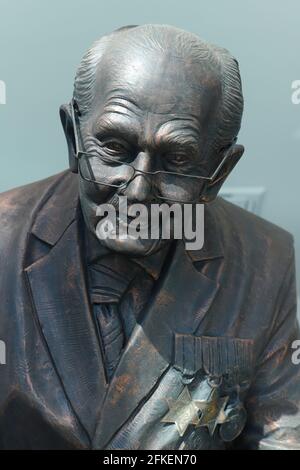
<point x="116" y="341"/>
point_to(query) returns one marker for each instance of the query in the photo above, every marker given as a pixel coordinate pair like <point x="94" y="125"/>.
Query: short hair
<point x="185" y="44"/>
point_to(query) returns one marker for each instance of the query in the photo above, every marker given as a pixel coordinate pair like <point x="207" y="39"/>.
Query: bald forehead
<point x="157" y="81"/>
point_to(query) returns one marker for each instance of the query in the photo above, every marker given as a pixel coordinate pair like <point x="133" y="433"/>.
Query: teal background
<point x="42" y="42"/>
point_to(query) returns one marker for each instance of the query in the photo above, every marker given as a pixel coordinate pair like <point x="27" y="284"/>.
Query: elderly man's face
<point x="156" y="112"/>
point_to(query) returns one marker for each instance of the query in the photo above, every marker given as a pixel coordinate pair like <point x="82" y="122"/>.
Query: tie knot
<point x="110" y="278"/>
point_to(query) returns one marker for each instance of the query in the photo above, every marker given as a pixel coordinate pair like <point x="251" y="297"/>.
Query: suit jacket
<point x="228" y="310"/>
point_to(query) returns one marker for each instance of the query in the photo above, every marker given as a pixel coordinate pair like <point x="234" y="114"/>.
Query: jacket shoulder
<point x="255" y="234"/>
<point x="19" y="206"/>
<point x="24" y="199"/>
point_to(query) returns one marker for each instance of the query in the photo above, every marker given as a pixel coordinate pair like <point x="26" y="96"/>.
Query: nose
<point x="139" y="189"/>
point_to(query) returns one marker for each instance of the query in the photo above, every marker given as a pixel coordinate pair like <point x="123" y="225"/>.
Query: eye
<point x="179" y="159"/>
<point x="115" y="147"/>
<point x="176" y="159"/>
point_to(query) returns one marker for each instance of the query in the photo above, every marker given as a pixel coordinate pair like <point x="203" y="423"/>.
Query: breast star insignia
<point x="185" y="411"/>
<point x="182" y="412"/>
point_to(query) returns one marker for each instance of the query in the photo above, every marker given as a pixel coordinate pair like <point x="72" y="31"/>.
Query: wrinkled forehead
<point x="159" y="83"/>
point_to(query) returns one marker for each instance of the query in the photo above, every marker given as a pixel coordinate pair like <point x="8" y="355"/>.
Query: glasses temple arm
<point x="75" y="128"/>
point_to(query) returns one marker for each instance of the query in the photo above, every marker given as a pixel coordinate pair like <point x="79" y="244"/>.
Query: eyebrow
<point x="180" y="140"/>
<point x="107" y="128"/>
<point x="184" y="135"/>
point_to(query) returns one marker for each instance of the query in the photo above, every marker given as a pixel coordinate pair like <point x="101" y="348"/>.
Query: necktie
<point x="110" y="279"/>
<point x="112" y="334"/>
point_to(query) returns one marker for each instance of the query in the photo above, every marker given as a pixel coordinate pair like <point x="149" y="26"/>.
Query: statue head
<point x="155" y="116"/>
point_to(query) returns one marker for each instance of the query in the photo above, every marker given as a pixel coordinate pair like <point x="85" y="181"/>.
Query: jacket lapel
<point x="58" y="292"/>
<point x="182" y="298"/>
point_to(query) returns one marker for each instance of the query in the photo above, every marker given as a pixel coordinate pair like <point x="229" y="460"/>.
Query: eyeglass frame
<point x="79" y="153"/>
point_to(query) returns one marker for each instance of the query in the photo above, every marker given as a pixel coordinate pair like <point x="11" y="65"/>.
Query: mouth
<point x="119" y="228"/>
<point x="133" y="222"/>
<point x="123" y="226"/>
<point x="127" y="227"/>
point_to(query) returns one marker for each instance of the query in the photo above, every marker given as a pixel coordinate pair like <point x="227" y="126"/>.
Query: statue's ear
<point x="67" y="124"/>
<point x="213" y="187"/>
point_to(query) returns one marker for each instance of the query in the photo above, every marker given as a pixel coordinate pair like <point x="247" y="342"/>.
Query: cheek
<point x="89" y="210"/>
<point x="95" y="192"/>
<point x="185" y="190"/>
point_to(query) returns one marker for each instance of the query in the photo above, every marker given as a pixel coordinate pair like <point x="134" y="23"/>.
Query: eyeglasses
<point x="113" y="173"/>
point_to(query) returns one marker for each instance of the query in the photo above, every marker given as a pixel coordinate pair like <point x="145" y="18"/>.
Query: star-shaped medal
<point x="212" y="411"/>
<point x="182" y="412"/>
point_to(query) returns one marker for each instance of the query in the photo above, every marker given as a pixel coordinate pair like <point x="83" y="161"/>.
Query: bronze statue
<point x="141" y="343"/>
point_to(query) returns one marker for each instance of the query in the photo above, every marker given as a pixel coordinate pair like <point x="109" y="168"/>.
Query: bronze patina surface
<point x="205" y="336"/>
